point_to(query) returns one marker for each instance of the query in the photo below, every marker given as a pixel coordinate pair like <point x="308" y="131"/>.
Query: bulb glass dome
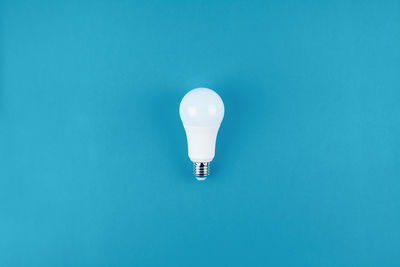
<point x="201" y="107"/>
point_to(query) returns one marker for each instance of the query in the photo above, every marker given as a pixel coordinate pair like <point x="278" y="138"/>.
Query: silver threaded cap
<point x="201" y="170"/>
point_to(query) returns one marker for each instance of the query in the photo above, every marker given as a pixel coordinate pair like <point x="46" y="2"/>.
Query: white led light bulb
<point x="201" y="111"/>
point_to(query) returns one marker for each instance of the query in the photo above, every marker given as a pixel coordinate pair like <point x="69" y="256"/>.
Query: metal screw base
<point x="201" y="170"/>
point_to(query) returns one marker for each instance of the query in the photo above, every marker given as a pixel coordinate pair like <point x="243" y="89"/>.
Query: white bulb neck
<point x="201" y="142"/>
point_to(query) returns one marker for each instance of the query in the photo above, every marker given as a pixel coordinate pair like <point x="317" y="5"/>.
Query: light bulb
<point x="201" y="111"/>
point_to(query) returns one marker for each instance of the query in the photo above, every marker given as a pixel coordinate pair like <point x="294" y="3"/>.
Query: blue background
<point x="94" y="168"/>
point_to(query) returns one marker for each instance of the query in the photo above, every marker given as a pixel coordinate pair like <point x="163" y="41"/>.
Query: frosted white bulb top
<point x="201" y="107"/>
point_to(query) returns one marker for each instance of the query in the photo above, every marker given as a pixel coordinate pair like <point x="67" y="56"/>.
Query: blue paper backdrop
<point x="93" y="163"/>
